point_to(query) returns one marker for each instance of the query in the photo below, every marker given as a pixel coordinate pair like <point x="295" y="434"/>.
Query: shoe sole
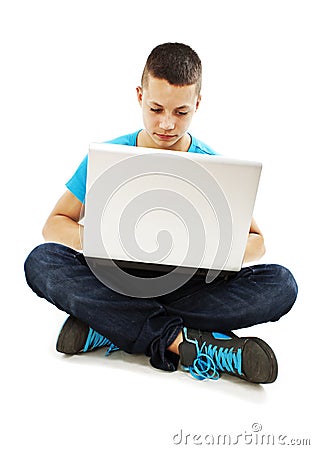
<point x="259" y="362"/>
<point x="72" y="337"/>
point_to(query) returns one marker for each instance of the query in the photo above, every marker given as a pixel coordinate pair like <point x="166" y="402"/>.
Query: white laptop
<point x="160" y="209"/>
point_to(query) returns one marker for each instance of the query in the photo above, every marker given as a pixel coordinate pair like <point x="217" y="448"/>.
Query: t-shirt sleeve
<point x="198" y="146"/>
<point x="77" y="183"/>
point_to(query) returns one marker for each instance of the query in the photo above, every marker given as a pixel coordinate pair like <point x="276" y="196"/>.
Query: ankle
<point x="174" y="346"/>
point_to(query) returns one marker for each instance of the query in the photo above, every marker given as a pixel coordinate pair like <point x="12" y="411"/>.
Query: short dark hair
<point x="176" y="63"/>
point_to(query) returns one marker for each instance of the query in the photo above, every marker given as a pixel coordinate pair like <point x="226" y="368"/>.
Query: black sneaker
<point x="208" y="354"/>
<point x="75" y="337"/>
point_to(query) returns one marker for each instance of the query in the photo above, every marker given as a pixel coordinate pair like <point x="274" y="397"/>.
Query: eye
<point x="182" y="113"/>
<point x="156" y="110"/>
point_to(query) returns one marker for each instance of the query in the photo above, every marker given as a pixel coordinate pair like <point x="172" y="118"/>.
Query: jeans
<point x="256" y="294"/>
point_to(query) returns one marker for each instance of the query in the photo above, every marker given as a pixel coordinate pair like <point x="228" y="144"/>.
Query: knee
<point x="285" y="278"/>
<point x="284" y="285"/>
<point x="33" y="263"/>
<point x="36" y="256"/>
<point x="38" y="259"/>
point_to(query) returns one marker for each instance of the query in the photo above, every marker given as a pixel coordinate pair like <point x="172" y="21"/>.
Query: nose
<point x="166" y="122"/>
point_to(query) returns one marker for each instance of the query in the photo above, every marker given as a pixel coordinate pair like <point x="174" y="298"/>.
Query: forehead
<point x="161" y="92"/>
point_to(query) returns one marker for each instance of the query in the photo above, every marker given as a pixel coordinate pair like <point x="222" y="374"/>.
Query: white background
<point x="68" y="75"/>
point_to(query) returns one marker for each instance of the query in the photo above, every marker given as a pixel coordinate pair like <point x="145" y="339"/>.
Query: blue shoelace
<point x="211" y="359"/>
<point x="95" y="340"/>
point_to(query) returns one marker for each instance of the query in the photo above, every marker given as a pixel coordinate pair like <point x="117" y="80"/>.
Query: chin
<point x="166" y="143"/>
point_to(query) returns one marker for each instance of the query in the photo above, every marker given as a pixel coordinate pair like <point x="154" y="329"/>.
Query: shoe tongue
<point x="187" y="353"/>
<point x="222" y="336"/>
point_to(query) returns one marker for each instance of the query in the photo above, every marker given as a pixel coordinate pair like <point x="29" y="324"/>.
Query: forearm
<point x="64" y="230"/>
<point x="255" y="248"/>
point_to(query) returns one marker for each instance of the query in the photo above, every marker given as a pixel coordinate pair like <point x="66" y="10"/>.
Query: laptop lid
<point x="159" y="209"/>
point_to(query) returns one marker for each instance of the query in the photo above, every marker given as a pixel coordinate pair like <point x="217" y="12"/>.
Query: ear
<point x="139" y="93"/>
<point x="198" y="101"/>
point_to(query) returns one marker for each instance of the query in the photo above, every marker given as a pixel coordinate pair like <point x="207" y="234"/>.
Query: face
<point x="167" y="114"/>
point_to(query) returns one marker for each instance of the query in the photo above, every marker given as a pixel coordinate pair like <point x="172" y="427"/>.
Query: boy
<point x="192" y="324"/>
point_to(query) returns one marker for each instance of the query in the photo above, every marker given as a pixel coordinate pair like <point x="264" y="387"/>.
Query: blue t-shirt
<point x="77" y="183"/>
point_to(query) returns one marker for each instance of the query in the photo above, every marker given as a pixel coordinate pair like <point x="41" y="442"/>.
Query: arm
<point x="255" y="247"/>
<point x="62" y="224"/>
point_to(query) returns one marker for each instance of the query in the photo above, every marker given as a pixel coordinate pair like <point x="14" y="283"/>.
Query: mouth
<point x="165" y="137"/>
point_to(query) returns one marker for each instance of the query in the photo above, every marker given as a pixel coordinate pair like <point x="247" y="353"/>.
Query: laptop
<point x="158" y="210"/>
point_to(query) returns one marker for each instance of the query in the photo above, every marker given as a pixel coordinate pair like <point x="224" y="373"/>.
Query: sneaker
<point x="76" y="337"/>
<point x="208" y="354"/>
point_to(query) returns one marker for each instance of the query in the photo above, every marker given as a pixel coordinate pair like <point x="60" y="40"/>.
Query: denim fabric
<point x="256" y="294"/>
